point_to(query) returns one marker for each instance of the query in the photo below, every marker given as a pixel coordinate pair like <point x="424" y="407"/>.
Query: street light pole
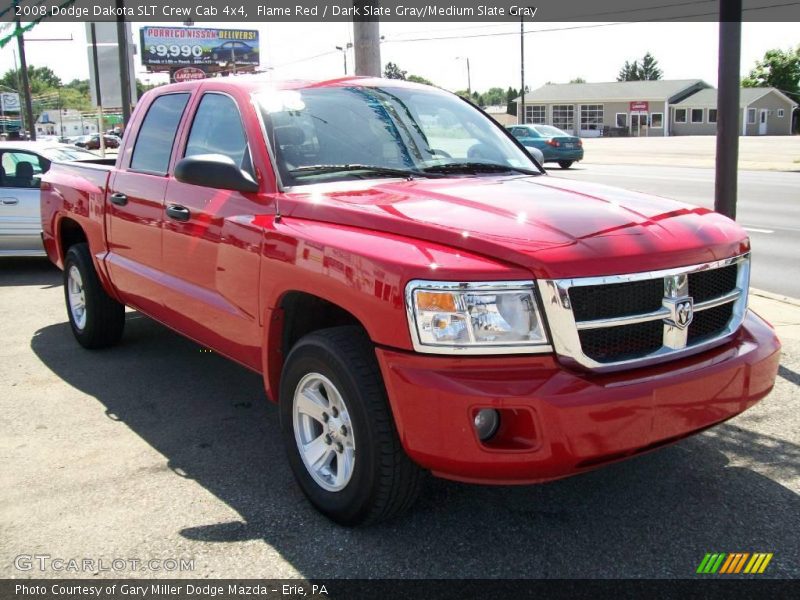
<point x="344" y="50"/>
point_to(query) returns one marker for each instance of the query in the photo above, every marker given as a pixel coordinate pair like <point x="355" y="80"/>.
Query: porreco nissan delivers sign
<point x="193" y="46"/>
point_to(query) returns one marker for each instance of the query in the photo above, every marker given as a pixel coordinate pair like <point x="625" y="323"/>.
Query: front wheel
<point x="565" y="164"/>
<point x="338" y="430"/>
<point x="96" y="319"/>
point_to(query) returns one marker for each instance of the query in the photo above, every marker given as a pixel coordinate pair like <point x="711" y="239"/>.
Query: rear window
<point x="157" y="134"/>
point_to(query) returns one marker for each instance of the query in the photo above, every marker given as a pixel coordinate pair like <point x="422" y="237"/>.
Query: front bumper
<point x="559" y="422"/>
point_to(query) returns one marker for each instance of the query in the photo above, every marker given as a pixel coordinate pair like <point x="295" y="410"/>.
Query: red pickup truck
<point x="417" y="293"/>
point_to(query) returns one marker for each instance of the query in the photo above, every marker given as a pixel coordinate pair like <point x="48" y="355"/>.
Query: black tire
<point x="384" y="481"/>
<point x="105" y="317"/>
<point x="565" y="164"/>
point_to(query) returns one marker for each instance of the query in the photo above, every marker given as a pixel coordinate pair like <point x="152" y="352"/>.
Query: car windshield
<point x="64" y="153"/>
<point x="334" y="133"/>
<point x="548" y="131"/>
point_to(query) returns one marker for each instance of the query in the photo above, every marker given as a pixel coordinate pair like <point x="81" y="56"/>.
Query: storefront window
<point x="564" y="117"/>
<point x="591" y="117"/>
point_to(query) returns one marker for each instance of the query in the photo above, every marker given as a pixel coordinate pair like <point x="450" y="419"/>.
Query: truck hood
<point x="554" y="227"/>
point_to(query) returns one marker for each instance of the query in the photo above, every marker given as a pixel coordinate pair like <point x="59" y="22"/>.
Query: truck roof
<point x="261" y="82"/>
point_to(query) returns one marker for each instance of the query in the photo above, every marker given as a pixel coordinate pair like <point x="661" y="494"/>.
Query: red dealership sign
<point x="188" y="74"/>
<point x="640" y="106"/>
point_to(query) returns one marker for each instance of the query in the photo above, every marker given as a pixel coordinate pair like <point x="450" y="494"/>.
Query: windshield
<point x="548" y="131"/>
<point x="333" y="133"/>
<point x="63" y="153"/>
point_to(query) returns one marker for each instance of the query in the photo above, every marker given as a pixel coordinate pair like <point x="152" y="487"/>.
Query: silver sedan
<point x="22" y="165"/>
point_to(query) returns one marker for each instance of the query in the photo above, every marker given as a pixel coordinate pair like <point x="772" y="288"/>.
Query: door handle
<point x="119" y="199"/>
<point x="10" y="201"/>
<point x="178" y="212"/>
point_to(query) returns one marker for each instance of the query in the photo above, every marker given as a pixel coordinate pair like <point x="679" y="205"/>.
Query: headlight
<point x="500" y="317"/>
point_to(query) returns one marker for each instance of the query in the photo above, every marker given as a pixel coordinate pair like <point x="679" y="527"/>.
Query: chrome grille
<point x="625" y="321"/>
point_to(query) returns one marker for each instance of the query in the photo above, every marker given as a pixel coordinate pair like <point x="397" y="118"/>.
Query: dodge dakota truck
<point x="418" y="294"/>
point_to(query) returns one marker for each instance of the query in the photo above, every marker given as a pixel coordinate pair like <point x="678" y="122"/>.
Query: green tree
<point x="578" y="80"/>
<point x="392" y="71"/>
<point x="647" y="70"/>
<point x="629" y="72"/>
<point x="419" y="79"/>
<point x="779" y="69"/>
<point x="494" y="96"/>
<point x="41" y="79"/>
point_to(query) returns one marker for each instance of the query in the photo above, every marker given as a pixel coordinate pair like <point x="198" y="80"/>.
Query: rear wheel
<point x="565" y="164"/>
<point x="338" y="430"/>
<point x="96" y="319"/>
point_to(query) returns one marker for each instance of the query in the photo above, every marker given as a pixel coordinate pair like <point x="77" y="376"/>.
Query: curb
<point x="776" y="297"/>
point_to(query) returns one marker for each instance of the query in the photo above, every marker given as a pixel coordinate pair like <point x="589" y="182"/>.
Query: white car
<point x="22" y="165"/>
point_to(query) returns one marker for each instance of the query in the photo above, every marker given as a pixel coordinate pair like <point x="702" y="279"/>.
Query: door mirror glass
<point x="214" y="171"/>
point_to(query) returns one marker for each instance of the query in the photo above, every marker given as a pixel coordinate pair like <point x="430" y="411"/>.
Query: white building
<point x="65" y="122"/>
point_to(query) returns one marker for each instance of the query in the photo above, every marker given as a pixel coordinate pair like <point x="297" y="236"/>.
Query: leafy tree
<point x="646" y="71"/>
<point x="392" y="71"/>
<point x="41" y="79"/>
<point x="419" y="79"/>
<point x="779" y="69"/>
<point x="577" y="80"/>
<point x="494" y="96"/>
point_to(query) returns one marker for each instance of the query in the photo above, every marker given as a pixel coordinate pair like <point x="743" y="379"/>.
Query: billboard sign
<point x="640" y="106"/>
<point x="9" y="102"/>
<point x="194" y="46"/>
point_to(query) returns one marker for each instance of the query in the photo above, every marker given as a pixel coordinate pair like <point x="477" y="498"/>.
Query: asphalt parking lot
<point x="156" y="449"/>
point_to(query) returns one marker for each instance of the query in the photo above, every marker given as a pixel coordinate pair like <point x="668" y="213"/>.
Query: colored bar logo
<point x="734" y="563"/>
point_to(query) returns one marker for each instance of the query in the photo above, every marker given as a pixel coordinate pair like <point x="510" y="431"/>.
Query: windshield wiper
<point x="477" y="167"/>
<point x="372" y="169"/>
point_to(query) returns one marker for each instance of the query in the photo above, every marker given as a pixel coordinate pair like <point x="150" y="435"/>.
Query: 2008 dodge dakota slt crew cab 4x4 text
<point x="417" y="293"/>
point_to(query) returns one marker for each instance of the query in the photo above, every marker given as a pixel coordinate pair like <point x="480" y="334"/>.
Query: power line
<point x="591" y="26"/>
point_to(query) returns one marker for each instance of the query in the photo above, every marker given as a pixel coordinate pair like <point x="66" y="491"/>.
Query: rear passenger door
<point x="134" y="207"/>
<point x="210" y="242"/>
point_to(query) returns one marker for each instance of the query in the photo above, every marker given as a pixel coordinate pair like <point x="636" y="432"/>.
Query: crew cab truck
<point x="417" y="294"/>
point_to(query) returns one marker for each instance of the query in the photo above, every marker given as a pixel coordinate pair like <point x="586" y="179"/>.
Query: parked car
<point x="21" y="166"/>
<point x="416" y="292"/>
<point x="92" y="142"/>
<point x="239" y="50"/>
<point x="556" y="145"/>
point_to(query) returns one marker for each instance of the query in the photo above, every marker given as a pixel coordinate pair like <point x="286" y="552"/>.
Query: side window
<point x="157" y="134"/>
<point x="22" y="169"/>
<point x="217" y="129"/>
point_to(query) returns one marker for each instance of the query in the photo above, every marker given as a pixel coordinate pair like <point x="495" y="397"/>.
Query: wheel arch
<point x="296" y="314"/>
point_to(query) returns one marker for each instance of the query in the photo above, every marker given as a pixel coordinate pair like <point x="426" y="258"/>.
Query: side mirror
<point x="214" y="171"/>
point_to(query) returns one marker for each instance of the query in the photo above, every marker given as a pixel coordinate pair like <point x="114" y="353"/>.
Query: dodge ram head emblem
<point x="681" y="312"/>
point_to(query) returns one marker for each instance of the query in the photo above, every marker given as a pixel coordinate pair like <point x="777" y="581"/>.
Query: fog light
<point x="487" y="420"/>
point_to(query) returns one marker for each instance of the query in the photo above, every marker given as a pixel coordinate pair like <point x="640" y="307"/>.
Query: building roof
<point x="747" y="96"/>
<point x="611" y="91"/>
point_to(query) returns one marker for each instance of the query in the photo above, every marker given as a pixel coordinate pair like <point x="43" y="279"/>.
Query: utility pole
<point x="521" y="107"/>
<point x="26" y="88"/>
<point x="124" y="73"/>
<point x="367" y="43"/>
<point x="730" y="46"/>
<point x="469" y="78"/>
